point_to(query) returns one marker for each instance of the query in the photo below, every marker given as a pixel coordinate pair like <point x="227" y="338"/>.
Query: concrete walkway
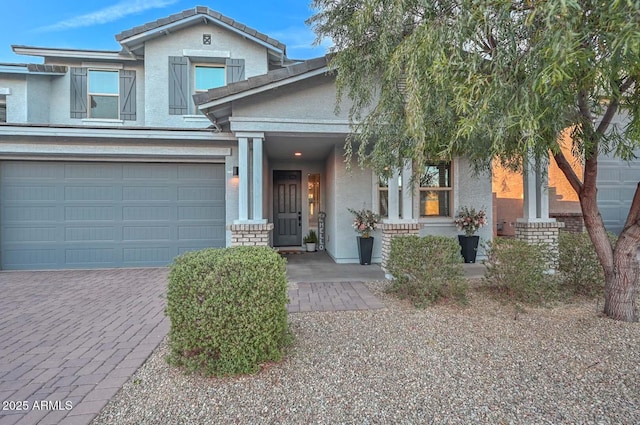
<point x="70" y="339"/>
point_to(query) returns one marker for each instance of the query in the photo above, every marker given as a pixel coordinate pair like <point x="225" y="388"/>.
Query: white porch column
<point x="530" y="192"/>
<point x="542" y="187"/>
<point x="257" y="179"/>
<point x="394" y="197"/>
<point x="407" y="190"/>
<point x="243" y="184"/>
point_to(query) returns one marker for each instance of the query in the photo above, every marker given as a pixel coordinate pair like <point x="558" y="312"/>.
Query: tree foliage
<point x="497" y="80"/>
<point x="484" y="78"/>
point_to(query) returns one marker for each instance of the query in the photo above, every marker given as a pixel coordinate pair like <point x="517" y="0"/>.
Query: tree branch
<point x="566" y="168"/>
<point x="613" y="107"/>
<point x="633" y="218"/>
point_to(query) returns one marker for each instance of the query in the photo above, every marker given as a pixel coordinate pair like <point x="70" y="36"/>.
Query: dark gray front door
<point x="287" y="208"/>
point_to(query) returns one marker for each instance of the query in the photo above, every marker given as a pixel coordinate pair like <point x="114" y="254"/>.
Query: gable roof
<point x="137" y="35"/>
<point x="272" y="79"/>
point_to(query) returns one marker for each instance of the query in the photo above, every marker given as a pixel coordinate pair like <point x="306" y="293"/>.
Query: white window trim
<point x="89" y="93"/>
<point x="417" y="189"/>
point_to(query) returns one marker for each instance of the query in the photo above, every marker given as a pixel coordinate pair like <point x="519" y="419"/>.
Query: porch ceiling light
<point x="297" y="153"/>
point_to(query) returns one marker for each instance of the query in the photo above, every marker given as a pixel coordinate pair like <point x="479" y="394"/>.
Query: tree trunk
<point x="621" y="269"/>
<point x="620" y="265"/>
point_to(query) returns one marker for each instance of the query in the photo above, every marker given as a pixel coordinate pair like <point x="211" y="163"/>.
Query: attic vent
<point x="206" y="38"/>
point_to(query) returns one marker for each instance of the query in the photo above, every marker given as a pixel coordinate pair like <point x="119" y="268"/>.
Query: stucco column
<point x="536" y="227"/>
<point x="243" y="184"/>
<point x="407" y="191"/>
<point x="394" y="196"/>
<point x="257" y="179"/>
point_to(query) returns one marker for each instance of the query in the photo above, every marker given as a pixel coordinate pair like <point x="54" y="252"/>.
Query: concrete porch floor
<point x="319" y="267"/>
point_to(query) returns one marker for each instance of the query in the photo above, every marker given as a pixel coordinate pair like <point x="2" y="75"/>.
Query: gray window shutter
<point x="128" y="95"/>
<point x="178" y="85"/>
<point x="235" y="70"/>
<point x="78" y="92"/>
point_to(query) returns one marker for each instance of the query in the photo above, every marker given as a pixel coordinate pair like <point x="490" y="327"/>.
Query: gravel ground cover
<point x="486" y="363"/>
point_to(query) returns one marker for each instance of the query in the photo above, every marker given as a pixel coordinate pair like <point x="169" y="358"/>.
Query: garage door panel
<point x="87" y="213"/>
<point x="147" y="255"/>
<point x="29" y="234"/>
<point x="146" y="233"/>
<point x="25" y="214"/>
<point x="32" y="194"/>
<point x="18" y="259"/>
<point x="89" y="233"/>
<point x="91" y="171"/>
<point x="200" y="213"/>
<point x="90" y="256"/>
<point x="84" y="215"/>
<point x="147" y="213"/>
<point x="89" y="193"/>
<point x="146" y="193"/>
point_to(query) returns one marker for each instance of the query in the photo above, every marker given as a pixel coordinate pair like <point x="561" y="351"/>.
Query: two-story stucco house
<point x="199" y="132"/>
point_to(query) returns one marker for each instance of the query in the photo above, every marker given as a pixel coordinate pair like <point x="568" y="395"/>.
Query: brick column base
<point x="251" y="234"/>
<point x="541" y="233"/>
<point x="392" y="230"/>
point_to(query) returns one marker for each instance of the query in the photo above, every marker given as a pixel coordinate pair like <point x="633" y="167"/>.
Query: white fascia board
<point x="108" y="133"/>
<point x="266" y="87"/>
<point x="75" y="54"/>
<point x="283" y="125"/>
<point x="138" y="39"/>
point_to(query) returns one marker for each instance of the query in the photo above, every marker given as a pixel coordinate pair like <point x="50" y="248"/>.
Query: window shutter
<point x="128" y="95"/>
<point x="235" y="70"/>
<point x="178" y="85"/>
<point x="78" y="92"/>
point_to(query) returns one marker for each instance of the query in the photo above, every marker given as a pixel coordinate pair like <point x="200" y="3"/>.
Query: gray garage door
<point x="617" y="181"/>
<point x="88" y="215"/>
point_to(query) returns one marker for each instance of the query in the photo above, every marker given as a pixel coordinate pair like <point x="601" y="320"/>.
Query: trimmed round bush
<point x="227" y="309"/>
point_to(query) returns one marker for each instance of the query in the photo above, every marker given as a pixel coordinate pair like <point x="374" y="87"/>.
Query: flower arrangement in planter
<point x="469" y="220"/>
<point x="364" y="221"/>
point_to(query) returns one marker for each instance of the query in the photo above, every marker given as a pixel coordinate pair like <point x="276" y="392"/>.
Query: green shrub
<point x="579" y="267"/>
<point x="427" y="269"/>
<point x="227" y="309"/>
<point x="521" y="270"/>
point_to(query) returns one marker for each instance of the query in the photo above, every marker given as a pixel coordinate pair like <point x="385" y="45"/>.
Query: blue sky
<point x="93" y="24"/>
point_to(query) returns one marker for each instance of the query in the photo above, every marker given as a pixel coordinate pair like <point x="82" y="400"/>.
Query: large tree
<point x="497" y="80"/>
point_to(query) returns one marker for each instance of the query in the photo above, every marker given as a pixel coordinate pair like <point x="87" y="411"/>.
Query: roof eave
<point x="136" y="41"/>
<point x="260" y="89"/>
<point x="72" y="53"/>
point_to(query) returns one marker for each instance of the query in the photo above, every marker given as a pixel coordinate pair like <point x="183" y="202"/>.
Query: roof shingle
<point x="199" y="10"/>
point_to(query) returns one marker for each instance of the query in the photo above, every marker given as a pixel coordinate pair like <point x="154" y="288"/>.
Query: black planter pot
<point x="469" y="247"/>
<point x="365" y="248"/>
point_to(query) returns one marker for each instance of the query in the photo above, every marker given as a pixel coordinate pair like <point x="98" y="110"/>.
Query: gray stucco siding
<point x="158" y="50"/>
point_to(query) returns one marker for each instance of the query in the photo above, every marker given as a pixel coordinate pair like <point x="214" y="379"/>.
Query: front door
<point x="287" y="208"/>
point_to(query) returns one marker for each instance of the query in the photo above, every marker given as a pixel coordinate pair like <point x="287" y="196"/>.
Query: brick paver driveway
<point x="70" y="339"/>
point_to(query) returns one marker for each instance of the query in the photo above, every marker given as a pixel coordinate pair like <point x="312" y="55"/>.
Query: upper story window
<point x="209" y="77"/>
<point x="3" y="108"/>
<point x="185" y="77"/>
<point x="435" y="190"/>
<point x="103" y="94"/>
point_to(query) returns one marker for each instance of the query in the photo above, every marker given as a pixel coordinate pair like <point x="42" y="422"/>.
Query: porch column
<point x="257" y="179"/>
<point x="243" y="184"/>
<point x="536" y="227"/>
<point x="254" y="230"/>
<point x="407" y="191"/>
<point x="394" y="197"/>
